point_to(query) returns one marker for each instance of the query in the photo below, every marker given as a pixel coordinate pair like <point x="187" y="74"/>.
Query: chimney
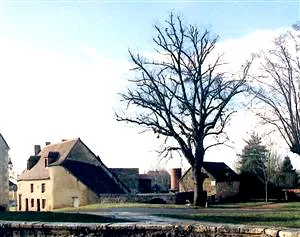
<point x="48" y="143"/>
<point x="175" y="176"/>
<point x="37" y="149"/>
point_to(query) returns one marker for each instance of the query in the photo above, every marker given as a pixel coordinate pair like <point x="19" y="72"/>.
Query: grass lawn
<point x="266" y="219"/>
<point x="57" y="217"/>
<point x="242" y="204"/>
<point x="267" y="214"/>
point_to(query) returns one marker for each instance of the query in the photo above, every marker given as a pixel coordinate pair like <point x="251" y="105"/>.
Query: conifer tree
<point x="288" y="177"/>
<point x="254" y="162"/>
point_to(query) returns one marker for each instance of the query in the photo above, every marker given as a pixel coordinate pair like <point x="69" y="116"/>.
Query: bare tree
<point x="279" y="88"/>
<point x="183" y="95"/>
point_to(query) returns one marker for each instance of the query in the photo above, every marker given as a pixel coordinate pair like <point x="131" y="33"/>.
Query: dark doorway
<point x="20" y="202"/>
<point x="38" y="204"/>
<point x="26" y="204"/>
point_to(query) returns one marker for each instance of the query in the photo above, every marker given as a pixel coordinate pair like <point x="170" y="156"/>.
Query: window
<point x="46" y="162"/>
<point x="43" y="203"/>
<point x="31" y="188"/>
<point x="43" y="187"/>
<point x="213" y="183"/>
<point x="32" y="202"/>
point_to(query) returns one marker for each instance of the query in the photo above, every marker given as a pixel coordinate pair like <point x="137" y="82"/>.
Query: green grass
<point x="242" y="204"/>
<point x="291" y="205"/>
<point x="276" y="219"/>
<point x="57" y="217"/>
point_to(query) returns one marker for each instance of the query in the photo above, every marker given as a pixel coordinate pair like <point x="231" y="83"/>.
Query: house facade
<point x="4" y="181"/>
<point x="221" y="182"/>
<point x="63" y="175"/>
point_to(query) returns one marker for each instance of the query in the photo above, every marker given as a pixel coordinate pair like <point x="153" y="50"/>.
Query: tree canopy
<point x="288" y="178"/>
<point x="182" y="93"/>
<point x="278" y="88"/>
<point x="254" y="157"/>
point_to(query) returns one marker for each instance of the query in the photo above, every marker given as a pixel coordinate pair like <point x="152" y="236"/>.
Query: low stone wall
<point x="169" y="198"/>
<point x="18" y="229"/>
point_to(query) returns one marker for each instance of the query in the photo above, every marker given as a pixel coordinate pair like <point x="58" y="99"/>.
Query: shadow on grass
<point x="57" y="217"/>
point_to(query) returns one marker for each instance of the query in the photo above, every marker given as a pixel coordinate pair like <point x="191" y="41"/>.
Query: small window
<point x="43" y="203"/>
<point x="31" y="188"/>
<point x="32" y="202"/>
<point x="43" y="187"/>
<point x="46" y="162"/>
<point x="213" y="183"/>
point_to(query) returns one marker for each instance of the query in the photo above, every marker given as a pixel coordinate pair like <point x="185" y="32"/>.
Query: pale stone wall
<point x="19" y="229"/>
<point x="221" y="190"/>
<point x="65" y="187"/>
<point x="186" y="184"/>
<point x="169" y="198"/>
<point x="25" y="196"/>
<point x="4" y="191"/>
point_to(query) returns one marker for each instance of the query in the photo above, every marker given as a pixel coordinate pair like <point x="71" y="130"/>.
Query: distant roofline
<point x="185" y="173"/>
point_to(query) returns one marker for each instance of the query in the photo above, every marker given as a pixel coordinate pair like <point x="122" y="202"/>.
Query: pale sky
<point x="63" y="63"/>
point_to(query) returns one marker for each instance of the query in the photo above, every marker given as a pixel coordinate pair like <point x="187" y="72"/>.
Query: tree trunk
<point x="199" y="194"/>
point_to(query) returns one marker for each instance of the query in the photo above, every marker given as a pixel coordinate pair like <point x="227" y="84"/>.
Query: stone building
<point x="4" y="191"/>
<point x="128" y="176"/>
<point x="160" y="180"/>
<point x="221" y="182"/>
<point x="63" y="175"/>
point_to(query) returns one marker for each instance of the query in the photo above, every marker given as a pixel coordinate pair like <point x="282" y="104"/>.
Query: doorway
<point x="20" y="202"/>
<point x="26" y="204"/>
<point x="75" y="202"/>
<point x="38" y="204"/>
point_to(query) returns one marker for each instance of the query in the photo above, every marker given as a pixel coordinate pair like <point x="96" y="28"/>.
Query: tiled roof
<point x="39" y="171"/>
<point x="94" y="177"/>
<point x="219" y="170"/>
<point x="85" y="166"/>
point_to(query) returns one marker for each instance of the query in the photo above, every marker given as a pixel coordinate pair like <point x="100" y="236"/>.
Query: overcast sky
<point x="63" y="63"/>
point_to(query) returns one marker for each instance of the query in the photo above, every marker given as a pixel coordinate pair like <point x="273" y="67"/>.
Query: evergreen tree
<point x="254" y="162"/>
<point x="254" y="157"/>
<point x="288" y="177"/>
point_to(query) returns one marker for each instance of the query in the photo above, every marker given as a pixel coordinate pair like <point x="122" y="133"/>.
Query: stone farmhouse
<point x="63" y="175"/>
<point x="4" y="191"/>
<point x="221" y="182"/>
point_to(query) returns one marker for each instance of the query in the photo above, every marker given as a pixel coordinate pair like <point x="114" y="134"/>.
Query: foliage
<point x="288" y="178"/>
<point x="183" y="94"/>
<point x="258" y="163"/>
<point x="278" y="88"/>
<point x="254" y="157"/>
